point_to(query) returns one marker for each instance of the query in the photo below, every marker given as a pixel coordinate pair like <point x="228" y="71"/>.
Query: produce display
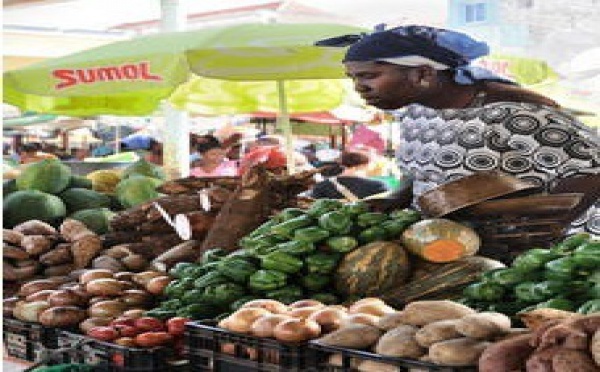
<point x="566" y="276"/>
<point x="292" y="256"/>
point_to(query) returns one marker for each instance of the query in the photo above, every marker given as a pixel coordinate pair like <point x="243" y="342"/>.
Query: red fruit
<point x="149" y="324"/>
<point x="126" y="331"/>
<point x="123" y="321"/>
<point x="103" y="333"/>
<point x="176" y="325"/>
<point x="151" y="339"/>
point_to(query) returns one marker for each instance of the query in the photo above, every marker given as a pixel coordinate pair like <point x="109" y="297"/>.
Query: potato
<point x="354" y="336"/>
<point x="35" y="227"/>
<point x="506" y="355"/>
<point x="400" y="342"/>
<point x="62" y="316"/>
<point x="484" y="325"/>
<point x="36" y="286"/>
<point x="436" y="332"/>
<point x="61" y="254"/>
<point x="390" y="321"/>
<point x="373" y="366"/>
<point x="424" y="312"/>
<point x="457" y="352"/>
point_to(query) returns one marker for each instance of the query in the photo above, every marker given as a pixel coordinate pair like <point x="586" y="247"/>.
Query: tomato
<point x="148" y="324"/>
<point x="176" y="325"/>
<point x="103" y="333"/>
<point x="126" y="331"/>
<point x="151" y="339"/>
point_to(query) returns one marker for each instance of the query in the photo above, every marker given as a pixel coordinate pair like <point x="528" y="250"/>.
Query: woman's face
<point x="215" y="155"/>
<point x="385" y="86"/>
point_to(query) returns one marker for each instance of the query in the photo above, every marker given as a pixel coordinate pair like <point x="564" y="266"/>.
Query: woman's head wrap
<point x="419" y="45"/>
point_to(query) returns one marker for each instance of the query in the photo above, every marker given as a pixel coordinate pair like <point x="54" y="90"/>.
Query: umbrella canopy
<point x="131" y="77"/>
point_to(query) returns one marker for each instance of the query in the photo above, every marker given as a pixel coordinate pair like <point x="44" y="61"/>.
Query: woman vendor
<point x="457" y="119"/>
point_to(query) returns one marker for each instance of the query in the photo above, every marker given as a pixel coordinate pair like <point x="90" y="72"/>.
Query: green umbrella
<point x="132" y="77"/>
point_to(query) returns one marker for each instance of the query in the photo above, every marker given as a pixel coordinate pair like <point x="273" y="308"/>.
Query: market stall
<point x="125" y="271"/>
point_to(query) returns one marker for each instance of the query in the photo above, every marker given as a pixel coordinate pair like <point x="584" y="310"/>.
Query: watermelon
<point x="77" y="199"/>
<point x="372" y="269"/>
<point x="26" y="205"/>
<point x="48" y="175"/>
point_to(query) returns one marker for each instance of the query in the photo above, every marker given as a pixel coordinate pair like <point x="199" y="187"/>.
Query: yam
<point x="373" y="366"/>
<point x="35" y="227"/>
<point x="14" y="273"/>
<point x="354" y="336"/>
<point x="85" y="249"/>
<point x="541" y="361"/>
<point x="420" y="313"/>
<point x="568" y="360"/>
<point x="58" y="256"/>
<point x="484" y="325"/>
<point x="535" y="318"/>
<point x="12" y="237"/>
<point x="135" y="262"/>
<point x="59" y="270"/>
<point x="595" y="347"/>
<point x="400" y="342"/>
<point x="108" y="263"/>
<point x="118" y="251"/>
<point x="74" y="230"/>
<point x="436" y="332"/>
<point x="458" y="352"/>
<point x="506" y="356"/>
<point x="188" y="251"/>
<point x="36" y="245"/>
<point x="14" y="252"/>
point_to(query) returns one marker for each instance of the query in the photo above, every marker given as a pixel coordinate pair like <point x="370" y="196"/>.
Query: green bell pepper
<point x="178" y="270"/>
<point x="529" y="292"/>
<point x="315" y="282"/>
<point x="355" y="208"/>
<point x="296" y="247"/>
<point x="322" y="263"/>
<point x="174" y="290"/>
<point x="372" y="234"/>
<point x="187" y="283"/>
<point x="409" y="215"/>
<point x="341" y="244"/>
<point x="589" y="307"/>
<point x="213" y="255"/>
<point x="557" y="303"/>
<point x="199" y="311"/>
<point x="263" y="229"/>
<point x="550" y="288"/>
<point x="311" y="234"/>
<point x="336" y="222"/>
<point x="286" y="295"/>
<point x="594" y="291"/>
<point x="326" y="298"/>
<point x="587" y="255"/>
<point x="160" y="314"/>
<point x="286" y="229"/>
<point x="282" y="262"/>
<point x="236" y="269"/>
<point x="170" y="305"/>
<point x="508" y="307"/>
<point x="572" y="242"/>
<point x="394" y="228"/>
<point x="579" y="289"/>
<point x="560" y="269"/>
<point x="212" y="278"/>
<point x="484" y="291"/>
<point x="267" y="280"/>
<point x="198" y="270"/>
<point x="322" y="206"/>
<point x="191" y="297"/>
<point x="240" y="302"/>
<point x="288" y="214"/>
<point x="370" y="219"/>
<point x="534" y="259"/>
<point x="507" y="277"/>
<point x="223" y="294"/>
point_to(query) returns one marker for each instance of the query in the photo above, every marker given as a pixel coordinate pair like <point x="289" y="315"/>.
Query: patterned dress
<point x="532" y="142"/>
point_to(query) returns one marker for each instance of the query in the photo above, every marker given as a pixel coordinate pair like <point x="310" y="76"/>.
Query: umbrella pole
<point x="284" y="122"/>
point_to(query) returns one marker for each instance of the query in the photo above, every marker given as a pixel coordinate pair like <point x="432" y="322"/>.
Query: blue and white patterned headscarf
<point x="420" y="45"/>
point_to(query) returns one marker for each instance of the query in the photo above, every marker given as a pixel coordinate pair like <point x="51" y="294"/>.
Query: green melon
<point x="372" y="269"/>
<point x="96" y="219"/>
<point x="77" y="199"/>
<point x="26" y="205"/>
<point x="79" y="182"/>
<point x="9" y="186"/>
<point x="143" y="167"/>
<point x="136" y="190"/>
<point x="48" y="175"/>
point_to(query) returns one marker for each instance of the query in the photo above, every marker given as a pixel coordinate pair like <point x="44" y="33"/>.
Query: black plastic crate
<point x="349" y="359"/>
<point x="106" y="356"/>
<point x="210" y="348"/>
<point x="27" y="341"/>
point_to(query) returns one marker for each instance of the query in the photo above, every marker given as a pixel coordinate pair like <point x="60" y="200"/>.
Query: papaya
<point x="25" y="205"/>
<point x="48" y="175"/>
